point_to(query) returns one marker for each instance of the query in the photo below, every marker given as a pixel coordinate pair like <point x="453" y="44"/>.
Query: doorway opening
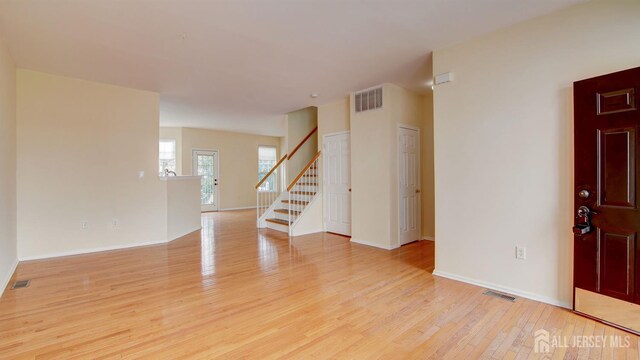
<point x="337" y="183"/>
<point x="409" y="197"/>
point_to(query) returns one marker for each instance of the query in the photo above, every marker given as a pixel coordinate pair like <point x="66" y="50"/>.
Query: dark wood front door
<point x="606" y="122"/>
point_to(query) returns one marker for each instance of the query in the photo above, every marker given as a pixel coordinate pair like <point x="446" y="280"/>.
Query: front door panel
<point x="617" y="155"/>
<point x="606" y="172"/>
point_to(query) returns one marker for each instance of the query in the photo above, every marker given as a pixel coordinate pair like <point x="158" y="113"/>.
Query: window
<point x="167" y="156"/>
<point x="266" y="161"/>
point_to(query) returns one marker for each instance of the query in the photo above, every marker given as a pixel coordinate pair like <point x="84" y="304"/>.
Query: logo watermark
<point x="545" y="342"/>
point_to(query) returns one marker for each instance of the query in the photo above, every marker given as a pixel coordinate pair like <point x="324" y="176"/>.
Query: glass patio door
<point x="205" y="164"/>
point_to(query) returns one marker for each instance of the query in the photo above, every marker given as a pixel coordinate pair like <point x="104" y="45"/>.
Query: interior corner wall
<point x="8" y="245"/>
<point x="427" y="170"/>
<point x="504" y="144"/>
<point x="238" y="162"/>
<point x="299" y="124"/>
<point x="87" y="153"/>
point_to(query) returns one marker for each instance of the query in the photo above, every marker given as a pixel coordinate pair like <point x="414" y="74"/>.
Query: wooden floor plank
<point x="233" y="291"/>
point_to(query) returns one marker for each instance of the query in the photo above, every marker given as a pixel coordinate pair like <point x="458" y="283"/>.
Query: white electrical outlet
<point x="84" y="225"/>
<point x="114" y="223"/>
<point x="521" y="253"/>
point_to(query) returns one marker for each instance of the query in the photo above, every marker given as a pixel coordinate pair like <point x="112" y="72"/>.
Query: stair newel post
<point x="289" y="217"/>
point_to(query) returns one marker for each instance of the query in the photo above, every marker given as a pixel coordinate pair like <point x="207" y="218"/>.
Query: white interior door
<point x="337" y="183"/>
<point x="409" y="184"/>
<point x="205" y="164"/>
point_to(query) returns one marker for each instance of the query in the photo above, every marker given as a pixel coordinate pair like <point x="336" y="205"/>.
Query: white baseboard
<point x="185" y="234"/>
<point x="238" y="208"/>
<point x="368" y="243"/>
<point x="7" y="277"/>
<point x="307" y="232"/>
<point x="429" y="238"/>
<point x="89" y="251"/>
<point x="504" y="289"/>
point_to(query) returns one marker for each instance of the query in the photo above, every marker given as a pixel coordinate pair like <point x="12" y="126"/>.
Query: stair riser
<point x="281" y="216"/>
<point x="292" y="207"/>
<point x="305" y="188"/>
<point x="306" y="198"/>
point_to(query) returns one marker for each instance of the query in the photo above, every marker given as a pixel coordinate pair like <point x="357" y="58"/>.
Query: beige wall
<point x="81" y="148"/>
<point x="427" y="170"/>
<point x="299" y="124"/>
<point x="374" y="166"/>
<point x="333" y="117"/>
<point x="371" y="175"/>
<point x="403" y="107"/>
<point x="183" y="205"/>
<point x="238" y="162"/>
<point x="504" y="144"/>
<point x="8" y="247"/>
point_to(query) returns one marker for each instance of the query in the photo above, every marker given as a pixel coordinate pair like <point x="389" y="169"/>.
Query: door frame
<point x="324" y="169"/>
<point x="194" y="171"/>
<point x="409" y="127"/>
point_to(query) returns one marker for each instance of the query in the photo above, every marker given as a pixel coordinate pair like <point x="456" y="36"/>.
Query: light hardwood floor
<point x="236" y="292"/>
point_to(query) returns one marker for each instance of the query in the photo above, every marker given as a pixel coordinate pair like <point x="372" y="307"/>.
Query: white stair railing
<point x="269" y="189"/>
<point x="303" y="190"/>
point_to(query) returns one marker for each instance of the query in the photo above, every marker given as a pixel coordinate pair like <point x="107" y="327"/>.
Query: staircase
<point x="299" y="195"/>
<point x="281" y="211"/>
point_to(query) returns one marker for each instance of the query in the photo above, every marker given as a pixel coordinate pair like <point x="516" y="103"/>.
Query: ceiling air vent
<point x="370" y="99"/>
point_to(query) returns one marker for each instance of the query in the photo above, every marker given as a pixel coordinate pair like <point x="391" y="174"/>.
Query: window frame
<point x="161" y="168"/>
<point x="268" y="186"/>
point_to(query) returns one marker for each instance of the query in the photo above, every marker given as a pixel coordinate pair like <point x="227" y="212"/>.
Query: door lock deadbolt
<point x="584" y="223"/>
<point x="583" y="194"/>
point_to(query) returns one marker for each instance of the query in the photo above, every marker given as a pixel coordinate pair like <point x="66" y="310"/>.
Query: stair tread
<point x="297" y="202"/>
<point x="304" y="192"/>
<point x="279" y="221"/>
<point x="285" y="211"/>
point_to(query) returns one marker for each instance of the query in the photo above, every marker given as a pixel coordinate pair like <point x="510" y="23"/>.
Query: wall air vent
<point x="369" y="99"/>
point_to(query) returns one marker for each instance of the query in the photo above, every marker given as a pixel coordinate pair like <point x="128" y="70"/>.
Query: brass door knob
<point x="417" y="191"/>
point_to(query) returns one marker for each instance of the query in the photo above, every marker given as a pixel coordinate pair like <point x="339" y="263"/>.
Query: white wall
<point x="503" y="144"/>
<point x="81" y="147"/>
<point x="8" y="247"/>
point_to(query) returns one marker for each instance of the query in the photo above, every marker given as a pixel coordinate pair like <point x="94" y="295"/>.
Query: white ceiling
<point x="241" y="64"/>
